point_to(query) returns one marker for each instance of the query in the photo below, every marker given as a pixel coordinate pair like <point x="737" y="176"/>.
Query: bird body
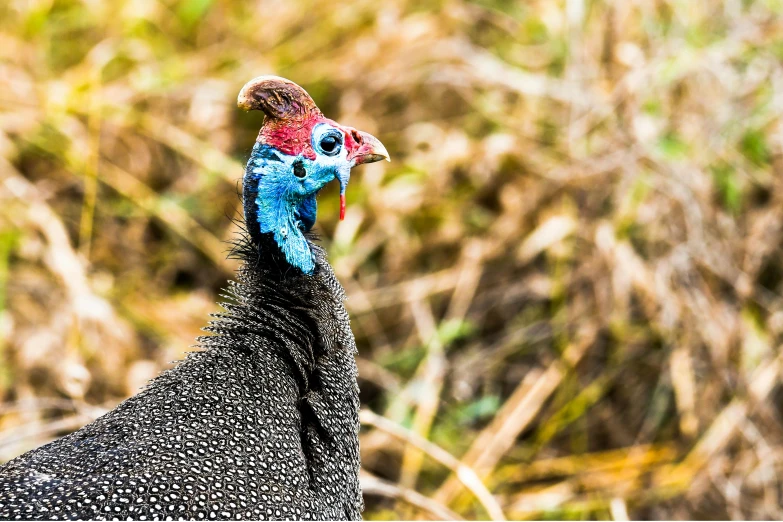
<point x="262" y="422"/>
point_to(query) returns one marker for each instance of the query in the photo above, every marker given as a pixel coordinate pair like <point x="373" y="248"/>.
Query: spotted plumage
<point x="260" y="423"/>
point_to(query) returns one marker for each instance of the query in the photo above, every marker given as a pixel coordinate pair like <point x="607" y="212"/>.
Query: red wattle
<point x="342" y="207"/>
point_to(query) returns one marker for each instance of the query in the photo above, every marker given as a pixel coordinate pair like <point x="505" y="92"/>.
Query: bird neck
<point x="267" y="257"/>
<point x="310" y="307"/>
<point x="274" y="213"/>
<point x="278" y="219"/>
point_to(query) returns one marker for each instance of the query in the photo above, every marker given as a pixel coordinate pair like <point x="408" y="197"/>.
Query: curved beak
<point x="367" y="149"/>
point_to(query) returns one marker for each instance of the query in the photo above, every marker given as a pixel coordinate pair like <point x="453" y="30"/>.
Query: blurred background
<point x="567" y="285"/>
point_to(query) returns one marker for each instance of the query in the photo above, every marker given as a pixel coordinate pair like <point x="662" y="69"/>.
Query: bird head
<point x="297" y="152"/>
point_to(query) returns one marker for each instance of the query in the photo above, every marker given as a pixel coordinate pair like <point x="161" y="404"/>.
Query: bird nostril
<point x="299" y="170"/>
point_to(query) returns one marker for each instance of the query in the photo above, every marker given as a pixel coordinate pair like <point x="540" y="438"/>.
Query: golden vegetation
<point x="566" y="287"/>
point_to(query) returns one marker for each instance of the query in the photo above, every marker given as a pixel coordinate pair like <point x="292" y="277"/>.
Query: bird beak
<point x="369" y="149"/>
<point x="366" y="149"/>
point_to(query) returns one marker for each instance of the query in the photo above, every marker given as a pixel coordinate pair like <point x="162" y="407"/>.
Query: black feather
<point x="261" y="423"/>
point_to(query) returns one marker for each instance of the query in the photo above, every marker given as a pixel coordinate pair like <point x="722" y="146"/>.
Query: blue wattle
<point x="307" y="212"/>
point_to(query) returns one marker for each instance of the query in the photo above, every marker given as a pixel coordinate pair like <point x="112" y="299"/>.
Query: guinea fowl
<point x="262" y="422"/>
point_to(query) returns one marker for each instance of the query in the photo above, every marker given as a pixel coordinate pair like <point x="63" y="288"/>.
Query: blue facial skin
<point x="284" y="189"/>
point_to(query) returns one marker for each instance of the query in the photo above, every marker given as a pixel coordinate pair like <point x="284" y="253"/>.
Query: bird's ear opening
<point x="277" y="97"/>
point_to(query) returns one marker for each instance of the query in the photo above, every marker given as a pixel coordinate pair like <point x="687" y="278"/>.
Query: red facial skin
<point x="293" y="136"/>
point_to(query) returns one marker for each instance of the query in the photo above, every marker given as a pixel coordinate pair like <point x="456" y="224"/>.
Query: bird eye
<point x="330" y="144"/>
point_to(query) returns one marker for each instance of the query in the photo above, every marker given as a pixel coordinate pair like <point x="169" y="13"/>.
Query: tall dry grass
<point x="566" y="288"/>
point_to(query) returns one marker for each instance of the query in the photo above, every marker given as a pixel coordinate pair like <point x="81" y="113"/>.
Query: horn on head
<point x="277" y="97"/>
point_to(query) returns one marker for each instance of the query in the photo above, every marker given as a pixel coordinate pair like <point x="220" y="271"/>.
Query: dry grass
<point x="567" y="287"/>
